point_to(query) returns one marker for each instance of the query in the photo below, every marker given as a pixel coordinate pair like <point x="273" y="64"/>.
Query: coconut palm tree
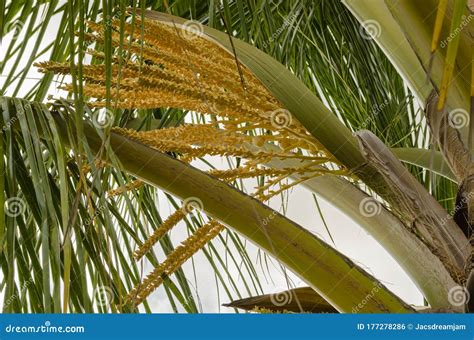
<point x="366" y="104"/>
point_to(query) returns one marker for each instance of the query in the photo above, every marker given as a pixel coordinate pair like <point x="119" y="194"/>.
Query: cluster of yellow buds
<point x="175" y="260"/>
<point x="169" y="67"/>
<point x="166" y="226"/>
<point x="135" y="184"/>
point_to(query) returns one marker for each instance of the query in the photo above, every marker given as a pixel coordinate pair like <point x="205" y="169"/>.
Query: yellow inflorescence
<point x="164" y="66"/>
<point x="98" y="164"/>
<point x="262" y="310"/>
<point x="130" y="186"/>
<point x="175" y="259"/>
<point x="166" y="226"/>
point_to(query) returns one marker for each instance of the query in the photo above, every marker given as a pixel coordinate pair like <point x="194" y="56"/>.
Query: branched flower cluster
<point x="174" y="261"/>
<point x="164" y="66"/>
